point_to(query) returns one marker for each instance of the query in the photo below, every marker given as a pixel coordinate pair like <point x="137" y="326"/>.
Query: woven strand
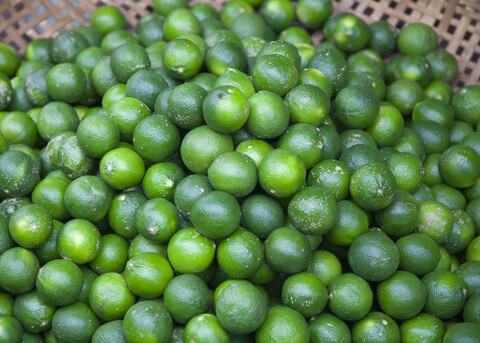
<point x="455" y="21"/>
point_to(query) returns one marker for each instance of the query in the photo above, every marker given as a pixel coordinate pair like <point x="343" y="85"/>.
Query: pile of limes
<point x="215" y="177"/>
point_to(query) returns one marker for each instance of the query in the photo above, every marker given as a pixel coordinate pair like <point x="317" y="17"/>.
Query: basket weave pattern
<point x="457" y="22"/>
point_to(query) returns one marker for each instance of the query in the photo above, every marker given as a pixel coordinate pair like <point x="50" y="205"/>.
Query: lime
<point x="110" y="297"/>
<point x="351" y="33"/>
<point x="240" y="255"/>
<point x="356" y="107"/>
<point x="446" y="294"/>
<point x="10" y="329"/>
<point x="190" y="252"/>
<point x="327" y="328"/>
<point x="283" y="324"/>
<point x="216" y="214"/>
<point x="179" y="22"/>
<point x="226" y="109"/>
<point x="107" y="19"/>
<point x="275" y="73"/>
<point x="110" y="332"/>
<point x="459" y="166"/>
<point x="351" y="222"/>
<point x="122" y="168"/>
<point x="59" y="282"/>
<point x="401" y="217"/>
<point x="269" y="115"/>
<point x="313" y="14"/>
<point x="287" y="250"/>
<point x="308" y="104"/>
<point x="182" y="59"/>
<point x="88" y="197"/>
<point x="376" y="327"/>
<point x="127" y="59"/>
<point x="423" y="328"/>
<point x="256" y="149"/>
<point x="417" y="38"/>
<point x="161" y="180"/>
<point x="372" y="186"/>
<point x="281" y="173"/>
<point x="201" y="145"/>
<point x="187" y="296"/>
<point x="261" y="214"/>
<point x="402" y="295"/>
<point x="205" y="328"/>
<point x="157" y="219"/>
<point x="419" y="254"/>
<point x="112" y="256"/>
<point x="78" y="241"/>
<point x="75" y="322"/>
<point x="462" y="332"/>
<point x="350" y="297"/>
<point x="466" y="105"/>
<point x="383" y="37"/>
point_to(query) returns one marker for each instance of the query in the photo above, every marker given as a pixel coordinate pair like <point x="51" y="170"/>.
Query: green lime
<point x="189" y="190"/>
<point x="103" y="77"/>
<point x="386" y="130"/>
<point x="261" y="215"/>
<point x="110" y="298"/>
<point x="356" y="107"/>
<point x="190" y="252"/>
<point x="72" y="160"/>
<point x="165" y="7"/>
<point x="147" y="321"/>
<point x="275" y="73"/>
<point x="438" y="90"/>
<point x="216" y="214"/>
<point x="67" y="45"/>
<point x="466" y="104"/>
<point x="187" y="296"/>
<point x="34" y="313"/>
<point x="342" y="290"/>
<point x="419" y="254"/>
<point x="226" y="109"/>
<point x="407" y="170"/>
<point x="351" y="33"/>
<point x="383" y="37"/>
<point x="402" y="295"/>
<point x="122" y="168"/>
<point x="9" y="206"/>
<point x="161" y="180"/>
<point x="18" y="128"/>
<point x="205" y="328"/>
<point x="31" y="226"/>
<point x="18" y="271"/>
<point x="376" y="327"/>
<point x="283" y="324"/>
<point x="462" y="233"/>
<point x="414" y="67"/>
<point x="287" y="250"/>
<point x="116" y="38"/>
<point x="10" y="329"/>
<point x="351" y="222"/>
<point x="240" y="255"/>
<point x="39" y="49"/>
<point x="112" y="256"/>
<point x="331" y="175"/>
<point x="157" y="219"/>
<point x="182" y="59"/>
<point x="127" y="59"/>
<point x="256" y="149"/>
<point x="404" y="95"/>
<point x="200" y="146"/>
<point x="140" y="245"/>
<point x="93" y="35"/>
<point x="308" y="104"/>
<point x="417" y="38"/>
<point x="305" y="293"/>
<point x="59" y="282"/>
<point x="88" y="197"/>
<point x="269" y="115"/>
<point x="411" y="142"/>
<point x="123" y="211"/>
<point x="75" y="322"/>
<point x="313" y="211"/>
<point x="459" y="166"/>
<point x="97" y="135"/>
<point x="422" y="328"/>
<point x="281" y="173"/>
<point x="326" y="328"/>
<point x="148" y="274"/>
<point x="359" y="155"/>
<point x="78" y="241"/>
<point x="110" y="332"/>
<point x="179" y="22"/>
<point x="462" y="332"/>
<point x="313" y="14"/>
<point x="446" y="294"/>
<point x="373" y="186"/>
<point x="107" y="19"/>
<point x="401" y="217"/>
<point x="19" y="174"/>
<point x="278" y="14"/>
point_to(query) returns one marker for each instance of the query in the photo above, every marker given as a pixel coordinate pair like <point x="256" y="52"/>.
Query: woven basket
<point x="457" y="22"/>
